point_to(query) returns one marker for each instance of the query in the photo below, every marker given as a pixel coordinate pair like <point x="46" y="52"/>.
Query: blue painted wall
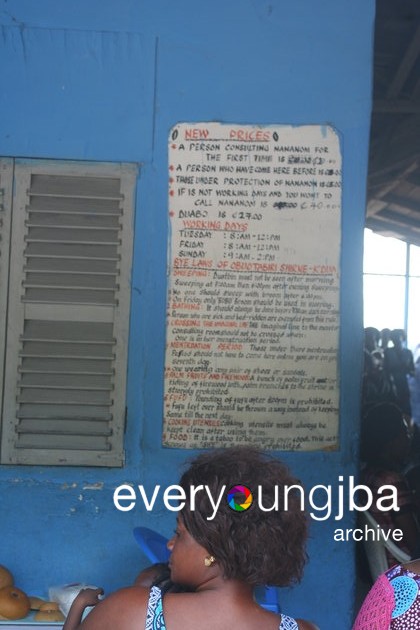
<point x="106" y="80"/>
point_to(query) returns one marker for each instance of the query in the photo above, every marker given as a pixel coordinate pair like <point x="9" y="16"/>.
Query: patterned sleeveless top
<point x="155" y="620"/>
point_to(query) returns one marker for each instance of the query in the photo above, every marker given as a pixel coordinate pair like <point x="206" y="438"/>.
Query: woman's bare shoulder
<point x="122" y="609"/>
<point x="306" y="625"/>
<point x="137" y="595"/>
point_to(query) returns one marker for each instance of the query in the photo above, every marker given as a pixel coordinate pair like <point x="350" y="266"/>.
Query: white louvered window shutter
<point x="68" y="316"/>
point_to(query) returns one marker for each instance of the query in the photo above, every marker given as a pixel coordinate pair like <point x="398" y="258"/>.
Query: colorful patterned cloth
<point x="287" y="623"/>
<point x="376" y="610"/>
<point x="393" y="602"/>
<point x="154" y="615"/>
<point x="155" y="620"/>
<point x="406" y="587"/>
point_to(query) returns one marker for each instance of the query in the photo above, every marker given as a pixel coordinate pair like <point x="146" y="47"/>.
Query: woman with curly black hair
<point x="254" y="534"/>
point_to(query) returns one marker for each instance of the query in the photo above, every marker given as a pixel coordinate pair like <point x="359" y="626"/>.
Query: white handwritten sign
<point x="253" y="292"/>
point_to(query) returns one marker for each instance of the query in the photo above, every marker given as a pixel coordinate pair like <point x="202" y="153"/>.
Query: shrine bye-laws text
<point x="253" y="287"/>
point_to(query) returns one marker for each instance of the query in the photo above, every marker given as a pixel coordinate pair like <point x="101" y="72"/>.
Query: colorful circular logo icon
<point x="239" y="498"/>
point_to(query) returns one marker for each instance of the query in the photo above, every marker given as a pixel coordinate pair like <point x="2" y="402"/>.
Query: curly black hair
<point x="256" y="546"/>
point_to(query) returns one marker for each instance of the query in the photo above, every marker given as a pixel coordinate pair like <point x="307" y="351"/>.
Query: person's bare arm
<point x="125" y="609"/>
<point x="86" y="597"/>
<point x="414" y="566"/>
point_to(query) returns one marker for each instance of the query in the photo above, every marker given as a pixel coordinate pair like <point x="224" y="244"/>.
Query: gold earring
<point x="209" y="560"/>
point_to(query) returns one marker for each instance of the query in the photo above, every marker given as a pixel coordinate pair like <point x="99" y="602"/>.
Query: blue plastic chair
<point x="154" y="546"/>
<point x="267" y="598"/>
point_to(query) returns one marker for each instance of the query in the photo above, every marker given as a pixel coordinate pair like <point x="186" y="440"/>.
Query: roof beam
<point x="396" y="106"/>
<point x="389" y="177"/>
<point x="398" y="220"/>
<point x="405" y="66"/>
<point x="403" y="202"/>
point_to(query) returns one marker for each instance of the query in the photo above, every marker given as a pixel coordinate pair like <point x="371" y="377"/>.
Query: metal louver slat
<point x="84" y="427"/>
<point x="59" y="379"/>
<point x="58" y="412"/>
<point x="64" y="206"/>
<point x="60" y="365"/>
<point x="45" y="441"/>
<point x="51" y="222"/>
<point x="81" y="280"/>
<point x="75" y="186"/>
<point x="64" y="397"/>
<point x="71" y="251"/>
<point x="78" y="236"/>
<point x="69" y="295"/>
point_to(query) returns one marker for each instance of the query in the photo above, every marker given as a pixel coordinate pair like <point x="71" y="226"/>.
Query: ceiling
<point x="393" y="193"/>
